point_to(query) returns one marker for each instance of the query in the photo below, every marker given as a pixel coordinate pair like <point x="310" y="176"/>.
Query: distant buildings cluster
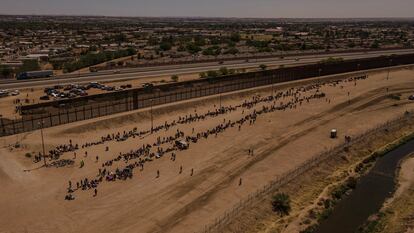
<point x="66" y="43"/>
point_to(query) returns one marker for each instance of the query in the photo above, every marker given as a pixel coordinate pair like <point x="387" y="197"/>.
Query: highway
<point x="148" y="72"/>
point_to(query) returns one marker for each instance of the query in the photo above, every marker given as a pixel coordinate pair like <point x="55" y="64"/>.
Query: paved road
<point x="148" y="72"/>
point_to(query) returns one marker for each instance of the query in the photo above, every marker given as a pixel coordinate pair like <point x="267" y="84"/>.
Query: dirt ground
<point x="33" y="201"/>
<point x="308" y="192"/>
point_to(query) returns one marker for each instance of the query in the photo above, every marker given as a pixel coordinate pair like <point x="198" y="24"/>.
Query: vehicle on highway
<point x="45" y="97"/>
<point x="411" y="97"/>
<point x="35" y="74"/>
<point x="147" y="85"/>
<point x="126" y="86"/>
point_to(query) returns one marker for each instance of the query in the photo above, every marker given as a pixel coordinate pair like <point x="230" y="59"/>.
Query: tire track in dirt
<point x="314" y="121"/>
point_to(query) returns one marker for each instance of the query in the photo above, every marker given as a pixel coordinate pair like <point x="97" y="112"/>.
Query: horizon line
<point x="204" y="17"/>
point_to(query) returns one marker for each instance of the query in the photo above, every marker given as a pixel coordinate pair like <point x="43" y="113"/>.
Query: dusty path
<point x="175" y="202"/>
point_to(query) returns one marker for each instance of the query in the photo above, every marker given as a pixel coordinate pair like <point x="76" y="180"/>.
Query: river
<point x="368" y="197"/>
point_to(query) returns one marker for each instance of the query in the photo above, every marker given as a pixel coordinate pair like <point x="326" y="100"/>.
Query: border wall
<point x="71" y="110"/>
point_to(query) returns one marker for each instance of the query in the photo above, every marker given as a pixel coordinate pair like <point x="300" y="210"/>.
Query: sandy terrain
<point x="406" y="177"/>
<point x="281" y="140"/>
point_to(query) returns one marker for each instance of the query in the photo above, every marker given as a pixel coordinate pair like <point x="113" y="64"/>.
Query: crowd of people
<point x="122" y="165"/>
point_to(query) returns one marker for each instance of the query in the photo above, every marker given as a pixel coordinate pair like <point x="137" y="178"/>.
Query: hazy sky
<point x="214" y="8"/>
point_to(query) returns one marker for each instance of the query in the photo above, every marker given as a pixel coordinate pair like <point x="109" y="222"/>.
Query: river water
<point x="368" y="197"/>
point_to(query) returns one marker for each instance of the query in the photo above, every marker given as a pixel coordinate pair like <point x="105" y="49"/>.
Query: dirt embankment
<point x="174" y="202"/>
<point x="397" y="214"/>
<point x="309" y="192"/>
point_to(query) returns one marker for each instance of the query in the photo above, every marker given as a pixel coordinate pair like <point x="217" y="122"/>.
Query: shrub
<point x="351" y="182"/>
<point x="212" y="74"/>
<point x="281" y="204"/>
<point x="224" y="71"/>
<point x="174" y="78"/>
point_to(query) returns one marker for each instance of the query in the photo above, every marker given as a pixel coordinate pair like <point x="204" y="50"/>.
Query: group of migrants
<point x="122" y="165"/>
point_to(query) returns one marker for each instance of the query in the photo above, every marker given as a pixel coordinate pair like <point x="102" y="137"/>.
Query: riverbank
<point x="309" y="192"/>
<point x="375" y="185"/>
<point x="397" y="214"/>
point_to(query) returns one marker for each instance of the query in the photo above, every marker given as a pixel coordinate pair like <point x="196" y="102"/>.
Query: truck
<point x="35" y="74"/>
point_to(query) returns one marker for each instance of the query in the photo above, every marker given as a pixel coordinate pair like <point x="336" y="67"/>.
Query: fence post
<point x="14" y="127"/>
<point x="3" y="128"/>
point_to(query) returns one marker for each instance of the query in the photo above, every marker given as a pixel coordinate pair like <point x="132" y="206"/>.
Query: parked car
<point x="181" y="144"/>
<point x="4" y="93"/>
<point x="109" y="88"/>
<point x="15" y="93"/>
<point x="83" y="93"/>
<point x="411" y="97"/>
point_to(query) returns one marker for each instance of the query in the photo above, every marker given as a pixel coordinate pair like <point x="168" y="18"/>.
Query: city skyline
<point x="215" y="8"/>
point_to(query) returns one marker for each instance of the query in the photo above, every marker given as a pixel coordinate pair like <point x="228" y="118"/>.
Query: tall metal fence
<point x="65" y="111"/>
<point x="278" y="182"/>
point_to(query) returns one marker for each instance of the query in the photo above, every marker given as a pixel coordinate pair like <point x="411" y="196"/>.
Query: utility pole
<point x="220" y="94"/>
<point x="389" y="69"/>
<point x="152" y="118"/>
<point x="43" y="141"/>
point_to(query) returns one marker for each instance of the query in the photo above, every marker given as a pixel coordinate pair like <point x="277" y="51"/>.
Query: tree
<point x="224" y="71"/>
<point x="174" y="78"/>
<point x="235" y="37"/>
<point x="5" y="71"/>
<point x="375" y="44"/>
<point x="199" y="41"/>
<point x="212" y="51"/>
<point x="193" y="48"/>
<point x="165" y="46"/>
<point x="29" y="65"/>
<point x="263" y="67"/>
<point x="212" y="74"/>
<point x="231" y="50"/>
<point x="202" y="75"/>
<point x="281" y="204"/>
<point x="331" y="60"/>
